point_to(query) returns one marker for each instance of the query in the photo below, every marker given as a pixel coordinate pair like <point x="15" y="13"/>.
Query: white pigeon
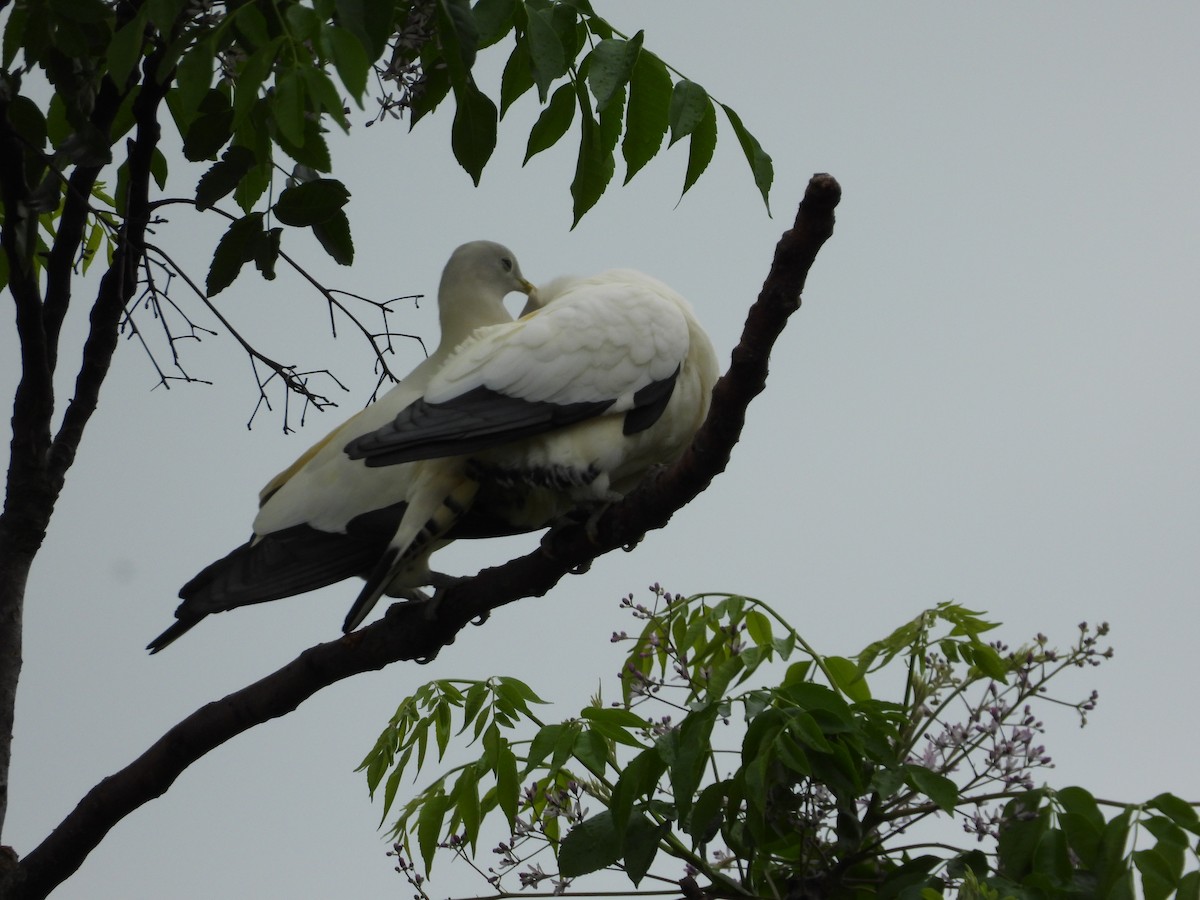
<point x="328" y="517"/>
<point x="568" y="407"/>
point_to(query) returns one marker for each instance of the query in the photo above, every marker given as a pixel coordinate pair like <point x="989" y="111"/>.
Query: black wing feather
<point x="482" y="418"/>
<point x="282" y="564"/>
<point x="479" y="419"/>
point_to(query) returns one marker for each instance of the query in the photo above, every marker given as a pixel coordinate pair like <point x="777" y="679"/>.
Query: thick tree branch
<point x="120" y="280"/>
<point x="34" y="482"/>
<point x="27" y="500"/>
<point x="71" y="225"/>
<point x="404" y="633"/>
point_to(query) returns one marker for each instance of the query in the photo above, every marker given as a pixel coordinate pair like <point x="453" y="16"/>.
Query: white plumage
<point x="507" y="428"/>
<point x="326" y="517"/>
<point x="571" y="405"/>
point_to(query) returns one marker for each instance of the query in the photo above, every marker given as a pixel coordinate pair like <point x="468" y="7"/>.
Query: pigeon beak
<point x="534" y="303"/>
<point x="527" y="288"/>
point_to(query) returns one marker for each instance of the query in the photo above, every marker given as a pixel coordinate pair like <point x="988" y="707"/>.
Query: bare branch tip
<point x="821" y="196"/>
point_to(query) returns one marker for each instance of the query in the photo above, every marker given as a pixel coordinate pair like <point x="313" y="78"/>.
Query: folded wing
<point x="602" y="347"/>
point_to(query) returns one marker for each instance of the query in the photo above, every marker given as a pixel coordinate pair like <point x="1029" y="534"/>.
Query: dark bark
<point x="404" y="633"/>
<point x="38" y="462"/>
<point x="27" y="502"/>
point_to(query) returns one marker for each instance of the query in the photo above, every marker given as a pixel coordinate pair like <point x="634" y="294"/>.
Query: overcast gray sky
<point x="990" y="395"/>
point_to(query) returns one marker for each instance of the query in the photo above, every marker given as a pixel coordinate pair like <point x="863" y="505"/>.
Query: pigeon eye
<point x="507" y="263"/>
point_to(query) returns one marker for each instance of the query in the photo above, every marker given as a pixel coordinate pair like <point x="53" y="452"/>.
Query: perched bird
<point x="602" y="380"/>
<point x="508" y="427"/>
<point x="328" y="517"/>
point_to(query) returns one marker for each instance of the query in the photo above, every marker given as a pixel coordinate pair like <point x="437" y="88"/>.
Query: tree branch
<point x="120" y="281"/>
<point x="72" y="223"/>
<point x="404" y="633"/>
<point x="27" y="500"/>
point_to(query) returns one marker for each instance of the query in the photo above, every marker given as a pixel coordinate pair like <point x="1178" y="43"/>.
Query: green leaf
<point x="1165" y="831"/>
<point x="700" y="149"/>
<point x="760" y="163"/>
<point x="311" y="203"/>
<point x="1082" y="803"/>
<point x="553" y="123"/>
<point x="392" y="785"/>
<point x="236" y="248"/>
<point x="266" y="253"/>
<point x="334" y="235"/>
<point x="252" y="186"/>
<point x="508" y="786"/>
<point x="707" y="813"/>
<point x="304" y="25"/>
<point x="159" y="168"/>
<point x="1122" y="888"/>
<point x="324" y="96"/>
<point x="27" y="120"/>
<point x="1051" y="860"/>
<point x="516" y="694"/>
<point x="517" y="77"/>
<point x="252" y="77"/>
<point x="564" y="746"/>
<point x="442" y="718"/>
<point x="250" y="25"/>
<point x="1111" y="861"/>
<point x="476" y="695"/>
<point x="641" y="846"/>
<point x="614" y="716"/>
<point x="847" y="678"/>
<point x="125" y="48"/>
<point x="542" y="745"/>
<point x="1082" y="822"/>
<point x="81" y="10"/>
<point x="546" y="57"/>
<point x="758" y="626"/>
<point x="465" y="797"/>
<point x="638" y="781"/>
<point x="193" y="78"/>
<point x="610" y="65"/>
<point x="1189" y="887"/>
<point x="589" y="847"/>
<point x="95" y="236"/>
<point x="493" y="20"/>
<point x="594" y="166"/>
<point x="591" y="749"/>
<point x="804" y="727"/>
<point x="975" y="861"/>
<point x="429" y="825"/>
<point x="458" y="48"/>
<point x="792" y="755"/>
<point x="473" y="135"/>
<point x="1179" y="811"/>
<point x="210" y="130"/>
<point x="797" y="673"/>
<point x="371" y="21"/>
<point x="689" y="106"/>
<point x="222" y="177"/>
<point x="314" y="152"/>
<point x="692" y="755"/>
<point x="289" y="106"/>
<point x="163" y="13"/>
<point x="1160" y="874"/>
<point x="1023" y="826"/>
<point x="938" y="788"/>
<point x="350" y="59"/>
<point x="905" y="880"/>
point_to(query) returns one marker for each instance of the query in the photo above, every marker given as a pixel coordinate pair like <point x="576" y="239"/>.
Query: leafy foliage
<point x="828" y="791"/>
<point x="249" y="83"/>
<point x="253" y="89"/>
